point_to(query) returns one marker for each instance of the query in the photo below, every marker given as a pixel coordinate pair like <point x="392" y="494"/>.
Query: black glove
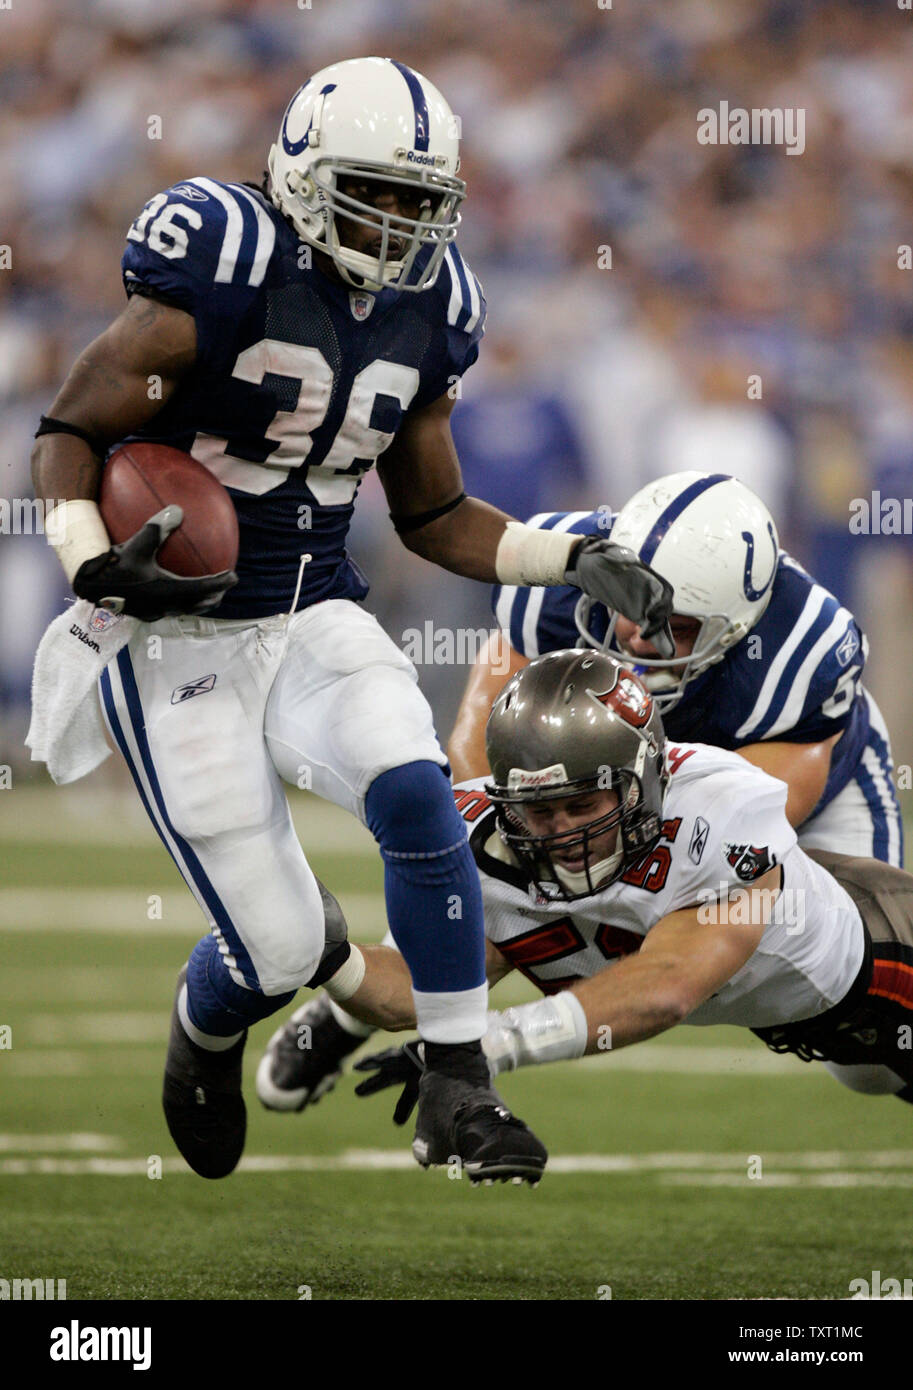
<point x="128" y="578"/>
<point x="613" y="575"/>
<point x="397" y="1066"/>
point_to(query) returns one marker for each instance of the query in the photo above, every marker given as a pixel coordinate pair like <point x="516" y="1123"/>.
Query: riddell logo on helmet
<point x="553" y="776"/>
<point x="413" y="157"/>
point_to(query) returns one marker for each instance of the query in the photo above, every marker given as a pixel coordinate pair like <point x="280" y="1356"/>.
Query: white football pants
<point x="865" y="817"/>
<point x="211" y="715"/>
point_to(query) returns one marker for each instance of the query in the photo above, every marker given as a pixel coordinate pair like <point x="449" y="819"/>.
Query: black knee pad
<point x="336" y="950"/>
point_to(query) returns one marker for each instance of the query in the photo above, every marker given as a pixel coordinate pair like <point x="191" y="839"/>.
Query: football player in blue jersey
<point x="297" y="333"/>
<point x="767" y="663"/>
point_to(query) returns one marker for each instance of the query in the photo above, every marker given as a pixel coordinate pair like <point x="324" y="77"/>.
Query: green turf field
<point x="648" y="1193"/>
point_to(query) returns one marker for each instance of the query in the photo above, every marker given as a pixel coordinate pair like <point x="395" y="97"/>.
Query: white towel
<point x="67" y="731"/>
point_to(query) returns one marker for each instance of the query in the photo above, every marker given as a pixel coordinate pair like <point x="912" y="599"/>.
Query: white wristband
<point x="551" y="1030"/>
<point x="348" y="977"/>
<point x="527" y="555"/>
<point x="76" y="531"/>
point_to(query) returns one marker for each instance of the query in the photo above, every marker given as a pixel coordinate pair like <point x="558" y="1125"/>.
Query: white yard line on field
<point x="21" y="1063"/>
<point x="59" y="1143"/>
<point x="73" y="816"/>
<point x="127" y="910"/>
<point x="123" y="1029"/>
<point x="696" y="1060"/>
<point x="97" y="985"/>
<point x="904" y="1180"/>
<point x="128" y="1027"/>
<point x="858" y="1169"/>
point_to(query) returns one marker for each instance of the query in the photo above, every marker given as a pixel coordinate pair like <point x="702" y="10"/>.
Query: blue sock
<point x="431" y="883"/>
<point x="215" y="1004"/>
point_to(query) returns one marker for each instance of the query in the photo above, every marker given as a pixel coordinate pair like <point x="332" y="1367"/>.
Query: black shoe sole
<point x="506" y="1169"/>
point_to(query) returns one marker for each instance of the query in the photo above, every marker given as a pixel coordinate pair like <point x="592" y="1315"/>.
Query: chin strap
<point x="367" y="268"/>
<point x="588" y="880"/>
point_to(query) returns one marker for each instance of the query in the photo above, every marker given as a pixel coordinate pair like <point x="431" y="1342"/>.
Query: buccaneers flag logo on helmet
<point x="628" y="698"/>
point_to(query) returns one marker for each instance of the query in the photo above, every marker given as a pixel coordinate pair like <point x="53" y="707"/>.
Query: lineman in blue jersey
<point x="767" y="662"/>
<point x="298" y="333"/>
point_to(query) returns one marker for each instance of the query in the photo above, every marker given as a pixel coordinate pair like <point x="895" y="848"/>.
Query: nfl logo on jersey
<point x="361" y="305"/>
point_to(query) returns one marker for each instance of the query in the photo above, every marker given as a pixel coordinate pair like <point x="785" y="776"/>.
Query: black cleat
<point x="202" y="1099"/>
<point x="467" y="1121"/>
<point x="303" y="1059"/>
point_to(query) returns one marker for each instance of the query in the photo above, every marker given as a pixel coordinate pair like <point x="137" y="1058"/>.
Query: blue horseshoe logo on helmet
<point x="293" y="147"/>
<point x="753" y="594"/>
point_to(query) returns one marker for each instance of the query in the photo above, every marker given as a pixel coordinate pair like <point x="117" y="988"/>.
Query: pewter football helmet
<point x="573" y="724"/>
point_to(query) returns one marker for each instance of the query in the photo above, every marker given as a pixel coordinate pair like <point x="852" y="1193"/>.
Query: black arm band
<point x="135" y="289"/>
<point x="413" y="523"/>
<point x="51" y="426"/>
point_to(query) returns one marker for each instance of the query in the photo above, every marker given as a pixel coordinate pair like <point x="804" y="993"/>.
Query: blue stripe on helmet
<point x="674" y="511"/>
<point x="422" y="124"/>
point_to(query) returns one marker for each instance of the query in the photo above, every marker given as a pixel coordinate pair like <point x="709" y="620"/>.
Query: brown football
<point x="140" y="479"/>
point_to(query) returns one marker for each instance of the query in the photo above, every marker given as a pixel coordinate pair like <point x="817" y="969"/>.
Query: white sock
<point x="456" y="1016"/>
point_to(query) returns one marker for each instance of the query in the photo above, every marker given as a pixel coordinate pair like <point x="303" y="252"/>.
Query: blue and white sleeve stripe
<point x="249" y="235"/>
<point x="464" y="308"/>
<point x="782" y="672"/>
<point x="266" y="236"/>
<point x="798" y="695"/>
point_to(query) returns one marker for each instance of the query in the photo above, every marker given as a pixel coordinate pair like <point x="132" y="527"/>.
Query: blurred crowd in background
<point x="579" y="134"/>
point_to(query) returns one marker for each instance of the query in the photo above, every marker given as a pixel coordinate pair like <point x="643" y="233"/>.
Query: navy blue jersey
<point x="800" y="683"/>
<point x="301" y="381"/>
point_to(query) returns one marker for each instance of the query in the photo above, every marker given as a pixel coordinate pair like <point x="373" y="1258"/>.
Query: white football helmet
<point x="370" y="118"/>
<point x="715" y="542"/>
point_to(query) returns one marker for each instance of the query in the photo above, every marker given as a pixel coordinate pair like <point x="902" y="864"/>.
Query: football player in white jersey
<point x="642" y="883"/>
<point x="299" y="331"/>
<point x="767" y="663"/>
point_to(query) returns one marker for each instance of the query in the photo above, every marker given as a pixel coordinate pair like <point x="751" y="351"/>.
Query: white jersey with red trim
<point x="724" y="826"/>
